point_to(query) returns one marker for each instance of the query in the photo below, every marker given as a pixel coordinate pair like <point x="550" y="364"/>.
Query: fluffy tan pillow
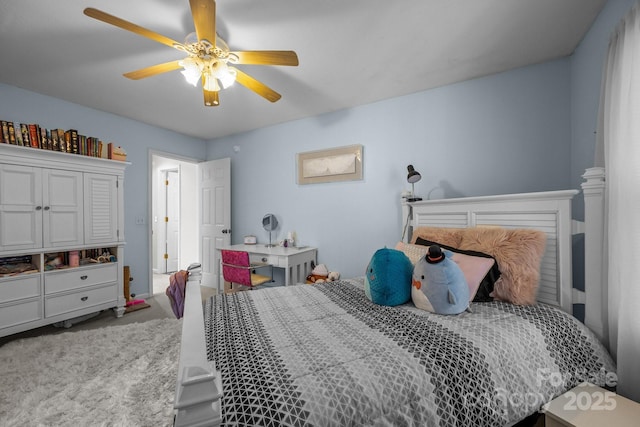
<point x="445" y="236"/>
<point x="519" y="254"/>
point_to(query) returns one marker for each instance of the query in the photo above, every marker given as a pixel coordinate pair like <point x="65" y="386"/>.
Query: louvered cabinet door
<point x="101" y="209"/>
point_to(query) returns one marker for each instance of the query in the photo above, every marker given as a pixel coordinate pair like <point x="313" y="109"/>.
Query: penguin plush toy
<point x="438" y="284"/>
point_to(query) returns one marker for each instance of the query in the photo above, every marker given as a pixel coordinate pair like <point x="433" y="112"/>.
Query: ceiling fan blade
<point x="267" y="57"/>
<point x="204" y="19"/>
<point x="259" y="88"/>
<point x="153" y="70"/>
<point x="126" y="25"/>
<point x="211" y="98"/>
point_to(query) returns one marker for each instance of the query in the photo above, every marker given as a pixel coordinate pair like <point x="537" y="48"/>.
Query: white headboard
<point x="547" y="211"/>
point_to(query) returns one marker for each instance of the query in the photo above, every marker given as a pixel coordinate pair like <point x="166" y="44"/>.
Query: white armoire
<point x="63" y="215"/>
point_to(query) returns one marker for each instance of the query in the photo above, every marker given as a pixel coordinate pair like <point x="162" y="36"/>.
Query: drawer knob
<point x="84" y="298"/>
<point x="264" y="259"/>
<point x="83" y="277"/>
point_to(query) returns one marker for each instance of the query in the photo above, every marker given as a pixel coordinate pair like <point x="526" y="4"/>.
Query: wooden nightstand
<point x="588" y="405"/>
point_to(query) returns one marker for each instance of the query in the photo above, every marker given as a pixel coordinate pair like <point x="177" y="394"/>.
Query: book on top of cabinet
<point x="65" y="141"/>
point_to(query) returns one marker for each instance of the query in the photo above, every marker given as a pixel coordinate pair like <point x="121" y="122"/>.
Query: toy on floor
<point x="320" y="274"/>
<point x="134" y="302"/>
<point x="134" y="305"/>
<point x="439" y="286"/>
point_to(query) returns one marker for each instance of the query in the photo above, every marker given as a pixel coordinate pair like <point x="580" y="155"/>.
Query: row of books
<point x="66" y="141"/>
<point x="11" y="266"/>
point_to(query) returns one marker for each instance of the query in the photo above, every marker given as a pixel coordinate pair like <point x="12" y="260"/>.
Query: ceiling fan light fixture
<point x="222" y="72"/>
<point x="210" y="83"/>
<point x="228" y="79"/>
<point x="207" y="54"/>
<point x="192" y="70"/>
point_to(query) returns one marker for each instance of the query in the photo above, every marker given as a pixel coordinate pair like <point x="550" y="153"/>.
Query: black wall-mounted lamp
<point x="413" y="177"/>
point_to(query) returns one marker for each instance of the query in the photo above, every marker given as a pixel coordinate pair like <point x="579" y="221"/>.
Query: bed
<point x="325" y="354"/>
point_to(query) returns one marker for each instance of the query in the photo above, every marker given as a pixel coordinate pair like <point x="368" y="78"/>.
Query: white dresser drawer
<point x="20" y="287"/>
<point x="16" y="314"/>
<point x="59" y="281"/>
<point x="275" y="260"/>
<point x="79" y="300"/>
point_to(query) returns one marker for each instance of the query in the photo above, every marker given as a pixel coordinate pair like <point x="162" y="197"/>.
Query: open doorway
<point x="173" y="217"/>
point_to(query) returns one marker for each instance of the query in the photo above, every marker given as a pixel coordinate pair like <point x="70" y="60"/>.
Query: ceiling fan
<point x="208" y="56"/>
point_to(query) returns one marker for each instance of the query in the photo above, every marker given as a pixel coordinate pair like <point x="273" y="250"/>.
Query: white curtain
<point x="619" y="147"/>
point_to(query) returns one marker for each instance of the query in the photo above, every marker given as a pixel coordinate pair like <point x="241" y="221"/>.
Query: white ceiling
<point x="351" y="52"/>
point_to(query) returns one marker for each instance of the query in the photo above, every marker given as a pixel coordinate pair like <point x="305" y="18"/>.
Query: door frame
<point x="150" y="182"/>
<point x="165" y="210"/>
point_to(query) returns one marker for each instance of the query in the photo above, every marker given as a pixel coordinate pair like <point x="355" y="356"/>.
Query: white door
<point x="172" y="220"/>
<point x="214" y="190"/>
<point x="63" y="210"/>
<point x="20" y="207"/>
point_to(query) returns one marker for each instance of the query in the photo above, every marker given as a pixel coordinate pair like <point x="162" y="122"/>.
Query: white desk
<point x="296" y="261"/>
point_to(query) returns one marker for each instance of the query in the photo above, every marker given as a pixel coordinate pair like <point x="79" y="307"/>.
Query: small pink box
<point x="74" y="259"/>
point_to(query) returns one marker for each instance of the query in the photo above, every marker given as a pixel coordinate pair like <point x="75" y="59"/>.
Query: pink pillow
<point x="474" y="268"/>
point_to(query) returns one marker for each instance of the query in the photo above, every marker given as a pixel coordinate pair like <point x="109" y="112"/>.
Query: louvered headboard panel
<point x="546" y="211"/>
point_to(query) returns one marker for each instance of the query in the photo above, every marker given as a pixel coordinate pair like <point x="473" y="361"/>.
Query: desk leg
<point x="287" y="275"/>
<point x="299" y="267"/>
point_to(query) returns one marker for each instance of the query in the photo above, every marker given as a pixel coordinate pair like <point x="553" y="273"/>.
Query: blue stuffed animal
<point x="388" y="277"/>
<point x="439" y="286"/>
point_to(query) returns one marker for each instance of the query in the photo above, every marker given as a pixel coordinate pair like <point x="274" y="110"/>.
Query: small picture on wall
<point x="331" y="165"/>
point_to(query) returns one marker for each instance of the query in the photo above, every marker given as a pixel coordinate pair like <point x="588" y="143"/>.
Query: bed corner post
<point x="406" y="220"/>
<point x="595" y="268"/>
<point x="198" y="388"/>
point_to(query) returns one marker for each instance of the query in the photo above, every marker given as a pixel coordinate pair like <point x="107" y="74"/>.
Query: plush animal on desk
<point x="388" y="277"/>
<point x="439" y="286"/>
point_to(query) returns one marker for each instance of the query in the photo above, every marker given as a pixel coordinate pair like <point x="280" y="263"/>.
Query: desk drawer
<point x="79" y="300"/>
<point x="275" y="260"/>
<point x="79" y="278"/>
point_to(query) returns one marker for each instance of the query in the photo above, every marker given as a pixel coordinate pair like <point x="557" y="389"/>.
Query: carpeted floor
<point x="120" y="375"/>
<point x="103" y="371"/>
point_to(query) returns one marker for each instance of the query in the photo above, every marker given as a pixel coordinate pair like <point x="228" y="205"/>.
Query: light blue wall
<point x="136" y="138"/>
<point x="499" y="134"/>
<point x="531" y="129"/>
<point x="526" y="130"/>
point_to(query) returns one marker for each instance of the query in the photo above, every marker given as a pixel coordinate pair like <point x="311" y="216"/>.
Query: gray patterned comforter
<point x="324" y="355"/>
